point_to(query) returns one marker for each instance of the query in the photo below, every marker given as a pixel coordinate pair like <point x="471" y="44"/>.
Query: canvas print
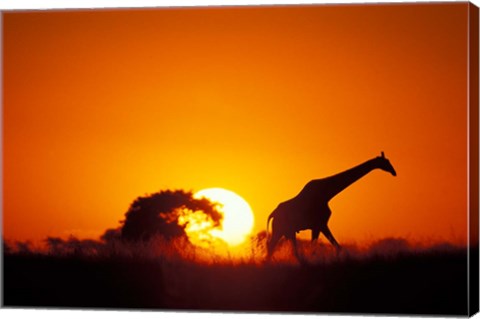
<point x="285" y="158"/>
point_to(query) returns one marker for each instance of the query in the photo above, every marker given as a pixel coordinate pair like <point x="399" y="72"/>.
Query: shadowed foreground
<point x="429" y="282"/>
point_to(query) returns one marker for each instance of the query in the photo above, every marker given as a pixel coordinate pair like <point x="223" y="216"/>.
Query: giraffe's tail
<point x="268" y="221"/>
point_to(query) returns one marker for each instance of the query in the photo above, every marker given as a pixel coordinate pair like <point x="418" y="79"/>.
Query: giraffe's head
<point x="384" y="164"/>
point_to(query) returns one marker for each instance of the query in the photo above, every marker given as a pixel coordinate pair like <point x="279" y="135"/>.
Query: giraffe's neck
<point x="337" y="183"/>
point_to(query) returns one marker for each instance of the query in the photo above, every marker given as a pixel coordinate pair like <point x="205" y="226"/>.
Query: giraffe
<point x="309" y="209"/>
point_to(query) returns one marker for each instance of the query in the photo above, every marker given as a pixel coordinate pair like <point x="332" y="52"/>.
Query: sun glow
<point x="237" y="220"/>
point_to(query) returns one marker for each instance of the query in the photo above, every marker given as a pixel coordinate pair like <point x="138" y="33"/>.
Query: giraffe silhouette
<point x="309" y="209"/>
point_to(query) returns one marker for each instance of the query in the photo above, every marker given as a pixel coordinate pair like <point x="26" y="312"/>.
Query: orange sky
<point x="103" y="106"/>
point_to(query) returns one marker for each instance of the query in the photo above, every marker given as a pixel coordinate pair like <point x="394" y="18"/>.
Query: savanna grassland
<point x="390" y="276"/>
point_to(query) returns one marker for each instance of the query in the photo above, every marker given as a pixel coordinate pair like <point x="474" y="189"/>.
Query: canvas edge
<point x="1" y="162"/>
<point x="473" y="159"/>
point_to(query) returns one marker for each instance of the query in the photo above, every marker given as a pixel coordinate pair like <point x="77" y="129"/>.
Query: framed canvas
<point x="276" y="158"/>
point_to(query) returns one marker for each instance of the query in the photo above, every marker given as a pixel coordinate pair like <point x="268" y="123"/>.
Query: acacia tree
<point x="158" y="214"/>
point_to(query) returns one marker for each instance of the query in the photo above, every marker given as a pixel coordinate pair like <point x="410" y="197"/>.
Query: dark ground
<point x="407" y="283"/>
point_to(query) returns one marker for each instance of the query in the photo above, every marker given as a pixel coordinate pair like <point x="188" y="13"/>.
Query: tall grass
<point x="252" y="251"/>
<point x="387" y="276"/>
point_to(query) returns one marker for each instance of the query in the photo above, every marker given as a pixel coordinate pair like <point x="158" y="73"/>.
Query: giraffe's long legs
<point x="272" y="243"/>
<point x="315" y="233"/>
<point x="330" y="237"/>
<point x="293" y="239"/>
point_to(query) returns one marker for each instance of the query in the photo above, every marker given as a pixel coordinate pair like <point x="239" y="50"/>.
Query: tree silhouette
<point x="158" y="213"/>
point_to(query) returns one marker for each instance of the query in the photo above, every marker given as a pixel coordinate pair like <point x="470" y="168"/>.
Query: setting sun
<point x="238" y="218"/>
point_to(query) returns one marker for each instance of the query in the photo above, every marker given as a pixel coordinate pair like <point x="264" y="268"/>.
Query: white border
<point x="61" y="4"/>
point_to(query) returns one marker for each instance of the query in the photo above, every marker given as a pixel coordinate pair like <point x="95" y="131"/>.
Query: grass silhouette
<point x="388" y="277"/>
